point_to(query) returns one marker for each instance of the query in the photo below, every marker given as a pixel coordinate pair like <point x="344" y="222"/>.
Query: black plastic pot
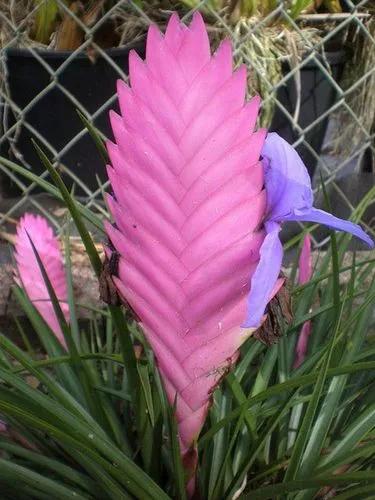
<point x="54" y="116"/>
<point x="318" y="95"/>
<point x="368" y="161"/>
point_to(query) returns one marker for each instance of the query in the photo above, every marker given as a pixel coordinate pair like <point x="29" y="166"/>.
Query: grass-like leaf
<point x="178" y="470"/>
<point x="94" y="133"/>
<point x="276" y="389"/>
<point x="73" y="209"/>
<point x="303" y="433"/>
<point x="329" y="480"/>
<point x="88" y="214"/>
<point x="13" y="473"/>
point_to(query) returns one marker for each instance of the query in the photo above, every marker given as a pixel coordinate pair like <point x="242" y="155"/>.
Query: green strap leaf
<point x="14" y="473"/>
<point x="274" y="490"/>
<point x="50" y="188"/>
<point x="73" y="209"/>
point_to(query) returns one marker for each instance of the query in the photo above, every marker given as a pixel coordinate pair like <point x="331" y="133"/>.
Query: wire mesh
<point x="314" y="72"/>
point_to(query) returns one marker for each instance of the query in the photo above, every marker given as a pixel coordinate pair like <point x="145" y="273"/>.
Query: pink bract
<point x="305" y="273"/>
<point x="29" y="275"/>
<point x="188" y="204"/>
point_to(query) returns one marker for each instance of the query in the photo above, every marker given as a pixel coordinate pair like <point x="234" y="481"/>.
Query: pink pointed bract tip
<point x="29" y="275"/>
<point x="305" y="261"/>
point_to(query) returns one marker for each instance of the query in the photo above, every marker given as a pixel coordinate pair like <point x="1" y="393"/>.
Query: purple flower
<point x="289" y="198"/>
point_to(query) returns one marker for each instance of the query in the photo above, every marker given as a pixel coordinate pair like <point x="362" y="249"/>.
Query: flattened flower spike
<point x="29" y="275"/>
<point x="188" y="207"/>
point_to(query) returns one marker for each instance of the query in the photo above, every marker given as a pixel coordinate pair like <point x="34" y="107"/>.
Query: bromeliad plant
<point x="194" y="253"/>
<point x="197" y="213"/>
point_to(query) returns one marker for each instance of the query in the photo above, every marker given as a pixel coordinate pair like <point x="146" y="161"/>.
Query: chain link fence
<point x="313" y="63"/>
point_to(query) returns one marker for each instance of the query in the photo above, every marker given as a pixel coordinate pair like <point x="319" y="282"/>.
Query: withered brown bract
<point x="107" y="289"/>
<point x="279" y="312"/>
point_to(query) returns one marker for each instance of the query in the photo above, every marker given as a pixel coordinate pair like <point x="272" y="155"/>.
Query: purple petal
<point x="322" y="217"/>
<point x="289" y="193"/>
<point x="287" y="181"/>
<point x="265" y="276"/>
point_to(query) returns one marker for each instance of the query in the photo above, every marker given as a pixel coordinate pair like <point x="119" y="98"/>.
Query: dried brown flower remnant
<point x="107" y="289"/>
<point x="279" y="312"/>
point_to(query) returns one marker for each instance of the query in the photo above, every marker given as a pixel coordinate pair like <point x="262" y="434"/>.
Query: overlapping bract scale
<point x="35" y="228"/>
<point x="188" y="204"/>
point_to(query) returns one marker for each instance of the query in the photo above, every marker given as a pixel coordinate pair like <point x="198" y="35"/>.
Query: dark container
<point x="368" y="161"/>
<point x="318" y="94"/>
<point x="53" y="116"/>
